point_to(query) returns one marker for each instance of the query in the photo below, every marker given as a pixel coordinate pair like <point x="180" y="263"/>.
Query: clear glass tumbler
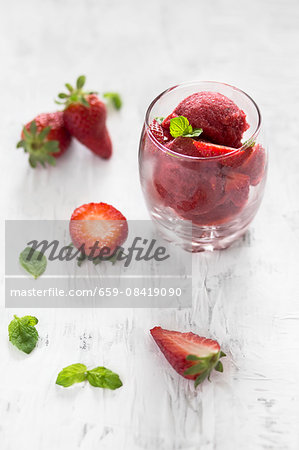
<point x="202" y="203"/>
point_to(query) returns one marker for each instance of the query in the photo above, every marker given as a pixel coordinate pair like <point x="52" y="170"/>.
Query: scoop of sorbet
<point x="223" y="123"/>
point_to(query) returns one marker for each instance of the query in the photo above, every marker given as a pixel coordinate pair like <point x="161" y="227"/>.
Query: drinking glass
<point x="202" y="203"/>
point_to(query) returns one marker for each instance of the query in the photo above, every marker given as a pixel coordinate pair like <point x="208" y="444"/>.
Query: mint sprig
<point x="114" y="98"/>
<point x="180" y="126"/>
<point x="33" y="261"/>
<point x="97" y="377"/>
<point x="22" y="333"/>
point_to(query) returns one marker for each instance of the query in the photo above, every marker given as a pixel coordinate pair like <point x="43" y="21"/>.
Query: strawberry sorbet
<point x="223" y="123"/>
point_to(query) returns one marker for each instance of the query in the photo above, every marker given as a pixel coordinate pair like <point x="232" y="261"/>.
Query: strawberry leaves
<point x="204" y="366"/>
<point x="219" y="367"/>
<point x="75" y="95"/>
<point x="180" y="126"/>
<point x="114" y="99"/>
<point x="37" y="145"/>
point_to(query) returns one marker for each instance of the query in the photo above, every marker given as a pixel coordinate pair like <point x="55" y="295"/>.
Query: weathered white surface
<point x="246" y="297"/>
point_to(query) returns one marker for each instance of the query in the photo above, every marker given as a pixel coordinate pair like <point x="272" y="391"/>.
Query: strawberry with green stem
<point x="85" y="118"/>
<point x="192" y="356"/>
<point x="45" y="138"/>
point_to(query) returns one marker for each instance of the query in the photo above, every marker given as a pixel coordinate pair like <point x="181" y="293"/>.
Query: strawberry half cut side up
<point x="85" y="118"/>
<point x="192" y="356"/>
<point x="45" y="138"/>
<point x="98" y="229"/>
<point x="157" y="131"/>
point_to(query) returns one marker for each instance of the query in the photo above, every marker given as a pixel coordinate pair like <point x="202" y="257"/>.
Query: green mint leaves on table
<point x="97" y="377"/>
<point x="76" y="373"/>
<point x="22" y="333"/>
<point x="114" y="98"/>
<point x="33" y="261"/>
<point x="104" y="378"/>
<point x="180" y="126"/>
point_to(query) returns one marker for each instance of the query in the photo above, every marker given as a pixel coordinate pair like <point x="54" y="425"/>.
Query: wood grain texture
<point x="246" y="297"/>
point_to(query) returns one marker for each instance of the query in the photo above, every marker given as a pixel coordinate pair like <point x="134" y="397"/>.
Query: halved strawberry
<point x="94" y="226"/>
<point x="201" y="149"/>
<point x="184" y="146"/>
<point x="192" y="356"/>
<point x="157" y="131"/>
<point x="255" y="165"/>
<point x="236" y="159"/>
<point x="208" y="150"/>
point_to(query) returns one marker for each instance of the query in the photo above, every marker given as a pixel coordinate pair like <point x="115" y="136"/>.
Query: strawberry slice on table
<point x="100" y="224"/>
<point x="45" y="138"/>
<point x="192" y="356"/>
<point x="85" y="118"/>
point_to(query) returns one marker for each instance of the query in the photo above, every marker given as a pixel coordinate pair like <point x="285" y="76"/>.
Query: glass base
<point x="196" y="238"/>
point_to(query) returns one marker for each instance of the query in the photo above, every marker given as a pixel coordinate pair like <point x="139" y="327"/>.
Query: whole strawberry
<point x="85" y="118"/>
<point x="45" y="138"/>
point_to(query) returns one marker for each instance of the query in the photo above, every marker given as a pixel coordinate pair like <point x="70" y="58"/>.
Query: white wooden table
<point x="246" y="297"/>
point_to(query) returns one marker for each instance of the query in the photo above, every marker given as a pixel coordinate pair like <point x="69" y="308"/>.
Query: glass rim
<point x="243" y="147"/>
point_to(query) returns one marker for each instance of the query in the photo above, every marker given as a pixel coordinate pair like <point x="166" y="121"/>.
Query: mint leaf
<point x="75" y="373"/>
<point x="195" y="133"/>
<point x="180" y="126"/>
<point x="33" y="261"/>
<point x="22" y="333"/>
<point x="114" y="98"/>
<point x="104" y="378"/>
